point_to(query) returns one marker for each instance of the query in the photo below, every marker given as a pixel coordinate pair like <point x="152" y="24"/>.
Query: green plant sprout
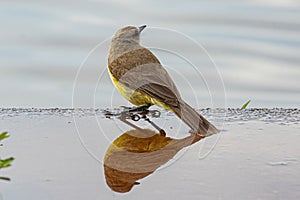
<point x="5" y="162"/>
<point x="246" y="104"/>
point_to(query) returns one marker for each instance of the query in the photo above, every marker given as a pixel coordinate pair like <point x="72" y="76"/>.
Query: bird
<point x="138" y="153"/>
<point x="139" y="76"/>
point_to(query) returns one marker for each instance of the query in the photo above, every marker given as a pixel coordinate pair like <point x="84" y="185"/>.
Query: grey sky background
<point x="255" y="45"/>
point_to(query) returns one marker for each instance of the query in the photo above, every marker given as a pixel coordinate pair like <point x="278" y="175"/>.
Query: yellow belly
<point x="135" y="97"/>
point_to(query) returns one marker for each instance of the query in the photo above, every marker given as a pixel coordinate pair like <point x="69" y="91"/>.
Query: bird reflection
<point x="138" y="153"/>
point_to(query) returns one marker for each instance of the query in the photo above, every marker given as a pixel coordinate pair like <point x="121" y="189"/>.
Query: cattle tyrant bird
<point x="139" y="76"/>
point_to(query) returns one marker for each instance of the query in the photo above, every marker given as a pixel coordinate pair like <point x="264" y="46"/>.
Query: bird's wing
<point x="161" y="87"/>
<point x="140" y="70"/>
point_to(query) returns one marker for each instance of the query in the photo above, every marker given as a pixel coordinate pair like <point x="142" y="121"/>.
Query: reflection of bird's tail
<point x="194" y="120"/>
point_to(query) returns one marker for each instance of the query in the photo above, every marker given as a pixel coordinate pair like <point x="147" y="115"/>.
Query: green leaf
<point x="6" y="162"/>
<point x="246" y="104"/>
<point x="4" y="135"/>
<point x="4" y="178"/>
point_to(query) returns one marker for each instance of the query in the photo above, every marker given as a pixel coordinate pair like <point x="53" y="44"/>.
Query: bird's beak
<point x="141" y="28"/>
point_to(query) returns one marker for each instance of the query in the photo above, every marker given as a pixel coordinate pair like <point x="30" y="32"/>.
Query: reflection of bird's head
<point x="129" y="34"/>
<point x="120" y="181"/>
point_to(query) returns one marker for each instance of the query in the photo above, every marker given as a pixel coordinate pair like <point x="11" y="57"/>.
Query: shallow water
<point x="59" y="154"/>
<point x="255" y="45"/>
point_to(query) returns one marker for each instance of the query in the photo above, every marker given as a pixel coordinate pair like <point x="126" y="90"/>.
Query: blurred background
<point x="254" y="45"/>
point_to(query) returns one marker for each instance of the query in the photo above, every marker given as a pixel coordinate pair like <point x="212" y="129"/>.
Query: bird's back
<point x="140" y="71"/>
<point x="129" y="60"/>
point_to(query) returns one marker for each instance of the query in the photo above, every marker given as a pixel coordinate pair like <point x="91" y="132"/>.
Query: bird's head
<point x="129" y="34"/>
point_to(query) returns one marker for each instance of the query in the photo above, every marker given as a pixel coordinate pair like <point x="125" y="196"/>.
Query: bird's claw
<point x="134" y="114"/>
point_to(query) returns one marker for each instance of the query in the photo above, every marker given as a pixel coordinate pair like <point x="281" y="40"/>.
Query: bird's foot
<point x="135" y="113"/>
<point x="161" y="131"/>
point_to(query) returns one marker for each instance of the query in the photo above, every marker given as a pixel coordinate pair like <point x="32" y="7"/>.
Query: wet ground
<point x="59" y="154"/>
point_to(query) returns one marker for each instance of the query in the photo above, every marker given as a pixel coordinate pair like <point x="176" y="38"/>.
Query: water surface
<point x="255" y="45"/>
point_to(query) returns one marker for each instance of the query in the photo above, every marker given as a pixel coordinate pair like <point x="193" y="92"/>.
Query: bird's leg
<point x="141" y="109"/>
<point x="122" y="118"/>
<point x="161" y="131"/>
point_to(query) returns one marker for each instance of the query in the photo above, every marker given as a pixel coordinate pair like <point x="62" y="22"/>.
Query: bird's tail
<point x="194" y="120"/>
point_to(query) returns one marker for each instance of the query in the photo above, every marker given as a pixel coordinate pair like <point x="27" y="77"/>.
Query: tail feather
<point x="194" y="120"/>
